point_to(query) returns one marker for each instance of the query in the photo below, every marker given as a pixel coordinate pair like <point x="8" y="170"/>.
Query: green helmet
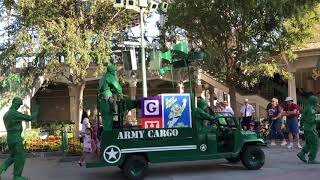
<point x="202" y="104"/>
<point x="312" y="100"/>
<point x="17" y="101"/>
<point x="111" y="68"/>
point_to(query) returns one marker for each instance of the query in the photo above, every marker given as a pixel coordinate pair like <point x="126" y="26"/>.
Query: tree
<point x="63" y="33"/>
<point x="240" y="37"/>
<point x="62" y="38"/>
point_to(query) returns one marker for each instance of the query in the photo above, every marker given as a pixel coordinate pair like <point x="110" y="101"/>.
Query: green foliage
<point x="80" y="31"/>
<point x="54" y="127"/>
<point x="264" y="70"/>
<point x="52" y="142"/>
<point x="11" y="81"/>
<point x="240" y="34"/>
<point x="12" y="85"/>
<point x="299" y="30"/>
<point x="32" y="134"/>
<point x="3" y="144"/>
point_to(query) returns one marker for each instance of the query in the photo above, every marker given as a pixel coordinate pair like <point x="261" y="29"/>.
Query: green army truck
<point x="133" y="149"/>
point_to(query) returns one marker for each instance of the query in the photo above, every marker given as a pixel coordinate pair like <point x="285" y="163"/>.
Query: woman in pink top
<point x="88" y="146"/>
<point x="95" y="130"/>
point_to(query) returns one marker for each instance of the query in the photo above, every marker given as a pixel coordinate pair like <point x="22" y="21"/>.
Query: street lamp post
<point x="143" y="55"/>
<point x="142" y="6"/>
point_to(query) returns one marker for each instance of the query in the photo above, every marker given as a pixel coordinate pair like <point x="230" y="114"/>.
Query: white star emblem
<point x="112" y="154"/>
<point x="203" y="147"/>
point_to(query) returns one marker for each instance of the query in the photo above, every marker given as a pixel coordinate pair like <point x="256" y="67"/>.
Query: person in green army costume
<point x="107" y="85"/>
<point x="310" y="132"/>
<point x="201" y="117"/>
<point x="13" y="123"/>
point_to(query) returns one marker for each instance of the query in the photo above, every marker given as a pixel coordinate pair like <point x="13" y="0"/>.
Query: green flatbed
<point x="132" y="150"/>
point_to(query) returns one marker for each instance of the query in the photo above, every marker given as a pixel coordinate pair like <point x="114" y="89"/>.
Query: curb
<point x="36" y="155"/>
<point x="69" y="159"/>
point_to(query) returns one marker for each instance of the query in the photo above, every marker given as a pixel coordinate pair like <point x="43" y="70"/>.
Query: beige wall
<point x="54" y="104"/>
<point x="304" y="80"/>
<point x="55" y="101"/>
<point x="54" y="109"/>
<point x="308" y="59"/>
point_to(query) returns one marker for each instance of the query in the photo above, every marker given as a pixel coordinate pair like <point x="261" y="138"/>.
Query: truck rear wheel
<point x="135" y="167"/>
<point x="252" y="157"/>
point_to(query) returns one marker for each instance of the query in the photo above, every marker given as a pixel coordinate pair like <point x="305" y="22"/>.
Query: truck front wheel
<point x="120" y="166"/>
<point x="135" y="167"/>
<point x="252" y="157"/>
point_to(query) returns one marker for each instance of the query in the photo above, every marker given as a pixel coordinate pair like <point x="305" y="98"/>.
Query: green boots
<point x="302" y="156"/>
<point x="19" y="178"/>
<point x="313" y="162"/>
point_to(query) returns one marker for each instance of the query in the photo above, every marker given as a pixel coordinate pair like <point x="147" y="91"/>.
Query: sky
<point x="151" y="30"/>
<point x="3" y="21"/>
<point x="151" y="27"/>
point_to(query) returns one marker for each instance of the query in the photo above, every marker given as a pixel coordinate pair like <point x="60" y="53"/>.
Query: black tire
<point x="120" y="166"/>
<point x="233" y="160"/>
<point x="135" y="167"/>
<point x="252" y="157"/>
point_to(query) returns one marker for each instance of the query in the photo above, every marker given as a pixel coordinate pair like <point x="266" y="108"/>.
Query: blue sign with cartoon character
<point x="176" y="110"/>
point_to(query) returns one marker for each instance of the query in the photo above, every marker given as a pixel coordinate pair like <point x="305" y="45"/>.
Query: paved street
<point x="280" y="164"/>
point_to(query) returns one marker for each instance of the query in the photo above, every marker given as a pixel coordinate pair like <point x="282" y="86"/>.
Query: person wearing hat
<point x="13" y="123"/>
<point x="247" y="111"/>
<point x="108" y="84"/>
<point x="291" y="110"/>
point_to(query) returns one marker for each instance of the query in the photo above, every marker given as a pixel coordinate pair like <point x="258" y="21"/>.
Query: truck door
<point x="207" y="138"/>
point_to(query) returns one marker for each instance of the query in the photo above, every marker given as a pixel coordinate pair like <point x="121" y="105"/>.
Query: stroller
<point x="263" y="129"/>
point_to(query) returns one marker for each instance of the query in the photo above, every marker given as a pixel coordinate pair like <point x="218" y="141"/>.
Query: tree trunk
<point x="79" y="8"/>
<point x="233" y="99"/>
<point x="76" y="105"/>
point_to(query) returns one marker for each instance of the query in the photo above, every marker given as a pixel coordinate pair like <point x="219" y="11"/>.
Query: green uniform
<point x="200" y="115"/>
<point x="107" y="85"/>
<point x="310" y="132"/>
<point x="13" y="123"/>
